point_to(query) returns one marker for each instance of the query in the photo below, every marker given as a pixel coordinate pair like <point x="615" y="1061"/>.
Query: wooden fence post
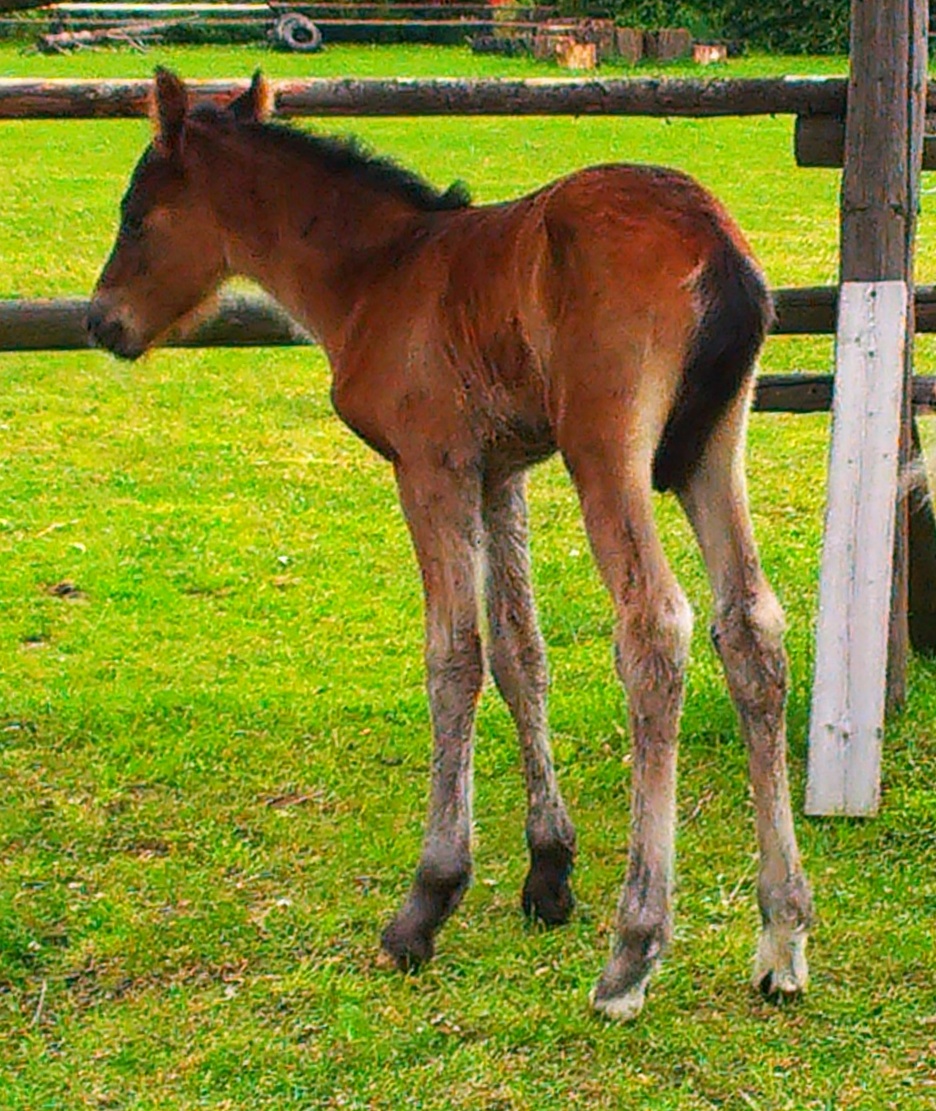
<point x="921" y="592"/>
<point x="865" y="526"/>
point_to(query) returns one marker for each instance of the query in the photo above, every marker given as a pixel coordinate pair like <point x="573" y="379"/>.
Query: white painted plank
<point x="847" y="722"/>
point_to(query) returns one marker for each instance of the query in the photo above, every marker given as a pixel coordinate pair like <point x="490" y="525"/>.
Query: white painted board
<point x="847" y="721"/>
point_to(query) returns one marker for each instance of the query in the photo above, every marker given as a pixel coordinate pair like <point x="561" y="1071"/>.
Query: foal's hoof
<point x="622" y="989"/>
<point x="408" y="940"/>
<point x="623" y="1007"/>
<point x="780" y="968"/>
<point x="547" y="895"/>
<point x="408" y="948"/>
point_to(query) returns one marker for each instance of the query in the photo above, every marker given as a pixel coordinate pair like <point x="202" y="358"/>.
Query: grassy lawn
<point x="214" y="751"/>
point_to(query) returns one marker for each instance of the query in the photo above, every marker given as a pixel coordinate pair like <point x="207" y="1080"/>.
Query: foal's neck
<point x="313" y="238"/>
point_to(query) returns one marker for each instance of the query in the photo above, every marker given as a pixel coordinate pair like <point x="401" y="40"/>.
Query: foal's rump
<point x="652" y="294"/>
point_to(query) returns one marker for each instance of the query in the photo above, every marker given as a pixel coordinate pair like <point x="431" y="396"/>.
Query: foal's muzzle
<point x="110" y="333"/>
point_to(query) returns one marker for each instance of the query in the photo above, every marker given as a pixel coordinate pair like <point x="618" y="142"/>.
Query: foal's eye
<point x="131" y="227"/>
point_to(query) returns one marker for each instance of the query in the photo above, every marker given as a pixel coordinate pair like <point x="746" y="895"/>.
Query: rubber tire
<point x="297" y="32"/>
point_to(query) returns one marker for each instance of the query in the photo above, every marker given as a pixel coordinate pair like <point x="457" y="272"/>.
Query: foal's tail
<point x="736" y="312"/>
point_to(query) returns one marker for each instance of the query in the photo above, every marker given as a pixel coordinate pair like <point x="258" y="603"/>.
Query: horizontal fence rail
<point x="807" y="96"/>
<point x="812" y="393"/>
<point x="819" y="142"/>
<point x="466" y="23"/>
<point x="256" y="321"/>
<point x="59" y="325"/>
<point x="253" y="320"/>
<point x="280" y="7"/>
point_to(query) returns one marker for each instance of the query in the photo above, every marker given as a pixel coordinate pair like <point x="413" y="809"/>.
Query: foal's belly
<point x="519" y="442"/>
<point x="502" y="384"/>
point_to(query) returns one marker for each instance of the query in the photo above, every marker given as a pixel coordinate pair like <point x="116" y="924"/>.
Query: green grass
<point x="214" y="759"/>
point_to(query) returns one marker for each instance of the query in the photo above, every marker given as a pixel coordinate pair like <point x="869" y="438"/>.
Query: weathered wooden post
<point x="862" y="620"/>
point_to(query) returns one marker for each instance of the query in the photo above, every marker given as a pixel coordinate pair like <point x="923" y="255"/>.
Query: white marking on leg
<point x="781" y="959"/>
<point x="622" y="1008"/>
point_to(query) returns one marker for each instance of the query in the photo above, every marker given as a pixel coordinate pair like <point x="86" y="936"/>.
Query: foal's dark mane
<point x="352" y="157"/>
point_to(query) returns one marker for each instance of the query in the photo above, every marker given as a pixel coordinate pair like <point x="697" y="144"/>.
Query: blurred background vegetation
<point x="777" y="26"/>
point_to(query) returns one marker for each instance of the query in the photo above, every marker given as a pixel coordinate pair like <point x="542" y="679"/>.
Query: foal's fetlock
<point x="547" y="895"/>
<point x="622" y="987"/>
<point x="409" y="938"/>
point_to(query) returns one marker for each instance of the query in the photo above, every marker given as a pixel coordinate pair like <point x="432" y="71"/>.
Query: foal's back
<point x="496" y="321"/>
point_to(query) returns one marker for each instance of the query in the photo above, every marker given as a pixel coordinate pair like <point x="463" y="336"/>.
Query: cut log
<point x="547" y="36"/>
<point x="668" y="44"/>
<point x="576" y="55"/>
<point x="628" y="44"/>
<point x="710" y="53"/>
<point x="601" y="33"/>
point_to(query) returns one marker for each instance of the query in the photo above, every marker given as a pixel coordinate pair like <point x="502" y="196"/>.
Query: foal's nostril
<point x="97" y="325"/>
<point x="93" y="321"/>
<point x="106" y="333"/>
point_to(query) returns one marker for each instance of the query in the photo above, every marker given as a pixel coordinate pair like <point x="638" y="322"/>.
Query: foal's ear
<point x="254" y="105"/>
<point x="171" y="104"/>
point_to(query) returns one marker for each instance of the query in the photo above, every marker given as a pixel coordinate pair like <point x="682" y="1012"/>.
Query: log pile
<point x="127" y="34"/>
<point x="557" y="39"/>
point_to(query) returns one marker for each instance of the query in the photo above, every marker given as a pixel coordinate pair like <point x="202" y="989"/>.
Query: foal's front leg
<point x="442" y="508"/>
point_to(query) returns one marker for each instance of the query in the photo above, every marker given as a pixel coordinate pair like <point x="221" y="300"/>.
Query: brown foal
<point x="614" y="316"/>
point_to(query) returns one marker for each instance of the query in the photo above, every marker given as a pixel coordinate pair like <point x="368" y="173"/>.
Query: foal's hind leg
<point x="442" y="508"/>
<point x="609" y="459"/>
<point x="748" y="634"/>
<point x="518" y="661"/>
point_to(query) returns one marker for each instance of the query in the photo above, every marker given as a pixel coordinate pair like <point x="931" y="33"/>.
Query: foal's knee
<point x="454" y="669"/>
<point x="518" y="664"/>
<point x="748" y="635"/>
<point x="651" y="650"/>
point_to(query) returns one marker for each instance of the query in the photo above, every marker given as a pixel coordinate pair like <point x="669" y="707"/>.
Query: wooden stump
<point x="629" y="44"/>
<point x="572" y="44"/>
<point x="547" y="35"/>
<point x="709" y="53"/>
<point x="576" y="55"/>
<point x="668" y="44"/>
<point x="601" y="33"/>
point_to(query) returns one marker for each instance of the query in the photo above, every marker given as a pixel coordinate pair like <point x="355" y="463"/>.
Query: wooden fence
<point x="818" y="103"/>
<point x="827" y="132"/>
<point x="256" y="321"/>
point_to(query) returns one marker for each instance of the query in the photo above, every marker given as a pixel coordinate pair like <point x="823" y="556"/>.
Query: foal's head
<point x="169" y="255"/>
